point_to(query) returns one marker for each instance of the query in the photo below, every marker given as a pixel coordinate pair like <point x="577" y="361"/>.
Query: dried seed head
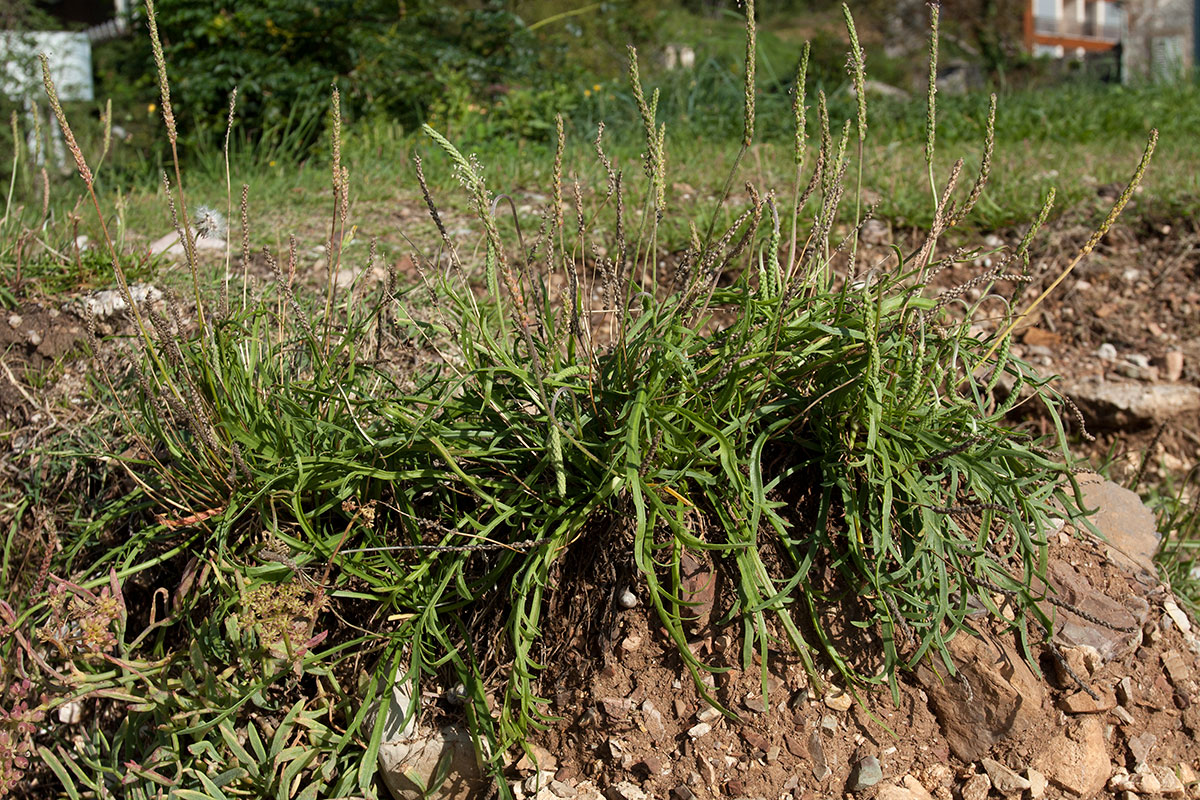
<point x="856" y="66"/>
<point x="85" y="172"/>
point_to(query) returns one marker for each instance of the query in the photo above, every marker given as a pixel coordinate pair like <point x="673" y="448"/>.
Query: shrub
<point x="333" y="514"/>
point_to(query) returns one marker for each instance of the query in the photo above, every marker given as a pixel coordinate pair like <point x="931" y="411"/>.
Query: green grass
<point x="319" y="489"/>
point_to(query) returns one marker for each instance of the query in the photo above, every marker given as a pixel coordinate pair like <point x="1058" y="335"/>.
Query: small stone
<point x="538" y="782"/>
<point x="624" y="790"/>
<point x="1125" y="691"/>
<point x="1186" y="774"/>
<point x="1177" y="616"/>
<point x="652" y="719"/>
<point x="1169" y="783"/>
<point x="1106" y="352"/>
<point x="70" y="713"/>
<point x="756" y="740"/>
<point x="829" y="723"/>
<point x="649" y="766"/>
<point x="683" y="793"/>
<point x="1037" y="783"/>
<point x="14" y="321"/>
<point x="1173" y="363"/>
<point x="865" y="774"/>
<point x="734" y="787"/>
<point x="1083" y="703"/>
<point x="754" y="702"/>
<point x="707" y="714"/>
<point x="976" y="788"/>
<point x="816" y="754"/>
<point x="561" y="789"/>
<point x="538" y="758"/>
<point x="838" y="700"/>
<point x="631" y="644"/>
<point x="617" y="707"/>
<point x="773" y="753"/>
<point x="916" y="788"/>
<point x="1122" y="714"/>
<point x="1176" y="667"/>
<point x="34" y="338"/>
<point x="1140" y="747"/>
<point x="699" y="729"/>
<point x="627" y="599"/>
<point x="1005" y="780"/>
<point x="795" y="745"/>
<point x="1077" y="759"/>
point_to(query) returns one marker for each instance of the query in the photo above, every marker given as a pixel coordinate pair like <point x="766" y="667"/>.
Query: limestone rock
<point x="1123" y="405"/>
<point x="1077" y="760"/>
<point x="408" y="765"/>
<point x="994" y="695"/>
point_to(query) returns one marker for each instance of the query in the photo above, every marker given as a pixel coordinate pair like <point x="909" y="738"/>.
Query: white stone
<point x="1177" y="616"/>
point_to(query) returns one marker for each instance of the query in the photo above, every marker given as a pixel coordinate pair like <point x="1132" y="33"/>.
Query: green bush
<point x="389" y="60"/>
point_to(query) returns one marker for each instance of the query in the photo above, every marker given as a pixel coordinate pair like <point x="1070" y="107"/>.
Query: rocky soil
<point x="1118" y="715"/>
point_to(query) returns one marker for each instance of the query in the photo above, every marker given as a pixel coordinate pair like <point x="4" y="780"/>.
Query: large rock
<point x="1127" y="525"/>
<point x="409" y="765"/>
<point x="1112" y="628"/>
<point x="994" y="695"/>
<point x="1077" y="759"/>
<point x="1122" y="405"/>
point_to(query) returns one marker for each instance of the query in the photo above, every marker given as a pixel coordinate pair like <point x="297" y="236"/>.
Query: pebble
<point x="1037" y="783"/>
<point x="1173" y="363"/>
<point x="699" y="729"/>
<point x="1140" y="747"/>
<point x="754" y="702"/>
<point x="1083" y="703"/>
<point x="1177" y="615"/>
<point x="976" y="788"/>
<point x="1122" y="714"/>
<point x="628" y="791"/>
<point x="1004" y="780"/>
<point x="1125" y="690"/>
<point x="14" y="321"/>
<point x="1170" y="785"/>
<point x="34" y="338"/>
<point x="1138" y="783"/>
<point x="838" y="700"/>
<point x="816" y="754"/>
<point x="683" y="793"/>
<point x="627" y="599"/>
<point x="1106" y="352"/>
<point x="707" y="714"/>
<point x="653" y="720"/>
<point x="1175" y="666"/>
<point x="756" y="740"/>
<point x="70" y="713"/>
<point x="866" y="773"/>
<point x="617" y="707"/>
